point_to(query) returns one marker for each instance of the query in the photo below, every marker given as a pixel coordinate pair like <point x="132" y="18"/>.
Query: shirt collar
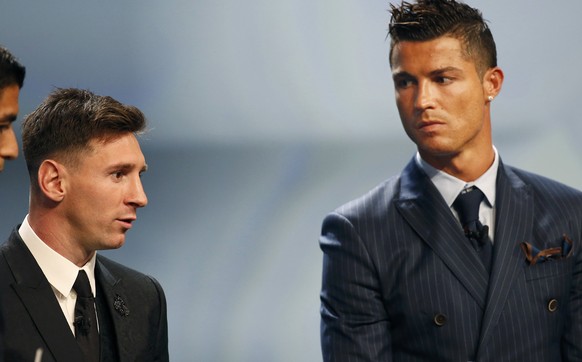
<point x="450" y="186"/>
<point x="60" y="272"/>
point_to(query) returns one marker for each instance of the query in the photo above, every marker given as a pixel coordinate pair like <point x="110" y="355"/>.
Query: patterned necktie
<point x="85" y="323"/>
<point x="467" y="206"/>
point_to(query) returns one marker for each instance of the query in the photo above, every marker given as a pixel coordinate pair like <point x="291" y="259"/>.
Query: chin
<point x="116" y="244"/>
<point x="437" y="148"/>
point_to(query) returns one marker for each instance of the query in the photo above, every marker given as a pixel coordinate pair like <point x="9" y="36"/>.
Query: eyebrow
<point x="445" y="70"/>
<point x="127" y="167"/>
<point x="433" y="73"/>
<point x="9" y="118"/>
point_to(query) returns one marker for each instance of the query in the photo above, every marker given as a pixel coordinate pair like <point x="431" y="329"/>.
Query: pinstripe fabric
<point x="401" y="283"/>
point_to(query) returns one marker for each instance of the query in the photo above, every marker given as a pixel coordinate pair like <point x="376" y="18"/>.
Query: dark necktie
<point x="85" y="318"/>
<point x="467" y="205"/>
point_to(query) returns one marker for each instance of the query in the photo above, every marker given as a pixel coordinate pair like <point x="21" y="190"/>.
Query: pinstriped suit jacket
<point x="401" y="282"/>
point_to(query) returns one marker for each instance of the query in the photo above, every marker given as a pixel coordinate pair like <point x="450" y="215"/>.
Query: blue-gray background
<point x="264" y="116"/>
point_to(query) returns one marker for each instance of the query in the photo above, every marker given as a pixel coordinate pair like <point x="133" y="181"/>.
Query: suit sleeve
<point x="161" y="348"/>
<point x="354" y="322"/>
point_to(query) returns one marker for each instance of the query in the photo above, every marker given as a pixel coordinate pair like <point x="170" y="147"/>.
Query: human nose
<point x="424" y="96"/>
<point x="137" y="197"/>
<point x="8" y="144"/>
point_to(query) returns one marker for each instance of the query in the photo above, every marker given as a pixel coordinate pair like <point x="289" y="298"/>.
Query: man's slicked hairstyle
<point x="67" y="120"/>
<point x="427" y="20"/>
<point x="11" y="71"/>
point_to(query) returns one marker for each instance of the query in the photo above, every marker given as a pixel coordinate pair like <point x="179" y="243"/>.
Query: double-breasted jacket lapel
<point x="423" y="207"/>
<point x="513" y="225"/>
<point x="35" y="292"/>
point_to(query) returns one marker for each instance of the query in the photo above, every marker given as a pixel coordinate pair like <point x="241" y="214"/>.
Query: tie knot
<point x="82" y="286"/>
<point x="467" y="204"/>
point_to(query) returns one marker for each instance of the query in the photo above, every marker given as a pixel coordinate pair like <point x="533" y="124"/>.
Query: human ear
<point x="52" y="180"/>
<point x="492" y="82"/>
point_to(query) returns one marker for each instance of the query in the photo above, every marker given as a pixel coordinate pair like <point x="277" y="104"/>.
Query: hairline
<point x="72" y="155"/>
<point x="466" y="52"/>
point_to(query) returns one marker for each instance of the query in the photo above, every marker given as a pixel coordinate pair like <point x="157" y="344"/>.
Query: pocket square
<point x="535" y="255"/>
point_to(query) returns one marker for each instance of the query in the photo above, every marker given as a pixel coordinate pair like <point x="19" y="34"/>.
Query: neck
<point x="467" y="166"/>
<point x="54" y="234"/>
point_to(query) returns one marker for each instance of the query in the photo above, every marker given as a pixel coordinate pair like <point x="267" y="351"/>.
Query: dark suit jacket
<point x="131" y="308"/>
<point x="1" y="338"/>
<point x="401" y="282"/>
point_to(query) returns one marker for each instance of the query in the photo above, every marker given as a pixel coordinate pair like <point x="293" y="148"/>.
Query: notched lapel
<point x="50" y="322"/>
<point x="39" y="300"/>
<point x="423" y="207"/>
<point x="118" y="308"/>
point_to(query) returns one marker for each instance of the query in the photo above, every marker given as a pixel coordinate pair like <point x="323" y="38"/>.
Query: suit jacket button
<point x="552" y="305"/>
<point x="440" y="319"/>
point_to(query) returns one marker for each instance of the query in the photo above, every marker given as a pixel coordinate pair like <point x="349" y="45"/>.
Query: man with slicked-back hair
<point x="459" y="257"/>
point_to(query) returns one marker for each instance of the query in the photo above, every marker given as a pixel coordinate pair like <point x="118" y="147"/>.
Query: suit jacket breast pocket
<point x="560" y="268"/>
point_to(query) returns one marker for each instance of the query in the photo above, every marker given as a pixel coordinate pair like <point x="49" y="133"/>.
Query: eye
<point x="402" y="83"/>
<point x="443" y="80"/>
<point x="117" y="175"/>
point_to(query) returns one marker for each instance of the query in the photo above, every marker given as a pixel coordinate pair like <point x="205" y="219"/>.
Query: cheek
<point x="474" y="108"/>
<point x="401" y="98"/>
<point x="404" y="110"/>
<point x="94" y="202"/>
<point x="461" y="106"/>
<point x="3" y="137"/>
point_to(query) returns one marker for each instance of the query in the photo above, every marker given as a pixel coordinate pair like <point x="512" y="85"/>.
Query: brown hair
<point x="431" y="19"/>
<point x="68" y="119"/>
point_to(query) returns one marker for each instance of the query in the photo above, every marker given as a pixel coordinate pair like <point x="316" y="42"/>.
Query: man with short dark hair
<point x="460" y="257"/>
<point x="11" y="80"/>
<point x="60" y="299"/>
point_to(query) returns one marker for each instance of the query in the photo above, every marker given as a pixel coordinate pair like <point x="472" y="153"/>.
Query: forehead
<point x="438" y="53"/>
<point x="9" y="102"/>
<point x="122" y="148"/>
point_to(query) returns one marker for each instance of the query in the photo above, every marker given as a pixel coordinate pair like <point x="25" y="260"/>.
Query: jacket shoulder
<point x="369" y="209"/>
<point x="117" y="270"/>
<point x="542" y="185"/>
<point x="374" y="202"/>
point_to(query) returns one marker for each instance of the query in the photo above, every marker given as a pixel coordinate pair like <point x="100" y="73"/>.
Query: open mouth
<point x="126" y="223"/>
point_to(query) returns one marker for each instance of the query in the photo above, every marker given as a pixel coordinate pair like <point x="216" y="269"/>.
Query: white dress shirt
<point x="59" y="271"/>
<point x="450" y="187"/>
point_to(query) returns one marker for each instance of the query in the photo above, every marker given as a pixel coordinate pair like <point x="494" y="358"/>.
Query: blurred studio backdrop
<point x="264" y="116"/>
